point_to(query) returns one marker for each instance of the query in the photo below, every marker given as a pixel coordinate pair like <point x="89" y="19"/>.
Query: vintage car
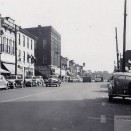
<point x="119" y="85"/>
<point x="3" y="82"/>
<point x="53" y="81"/>
<point x="30" y="81"/>
<point x="15" y="81"/>
<point x="40" y="80"/>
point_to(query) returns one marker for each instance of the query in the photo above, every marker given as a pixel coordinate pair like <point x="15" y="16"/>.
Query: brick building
<point x="47" y="51"/>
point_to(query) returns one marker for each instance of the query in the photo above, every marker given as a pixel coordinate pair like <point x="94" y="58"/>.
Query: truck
<point x="87" y="78"/>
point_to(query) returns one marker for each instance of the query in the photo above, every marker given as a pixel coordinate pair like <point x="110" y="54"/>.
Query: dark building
<point x="127" y="60"/>
<point x="48" y="49"/>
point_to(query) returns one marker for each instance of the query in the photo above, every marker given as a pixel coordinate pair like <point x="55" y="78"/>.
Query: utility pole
<point x="15" y="49"/>
<point x="124" y="38"/>
<point x="117" y="51"/>
<point x="16" y="29"/>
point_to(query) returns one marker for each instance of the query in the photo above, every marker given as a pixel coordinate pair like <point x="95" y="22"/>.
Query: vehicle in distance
<point x="15" y="81"/>
<point x="40" y="80"/>
<point x="3" y="82"/>
<point x="119" y="85"/>
<point x="98" y="79"/>
<point x="30" y="81"/>
<point x="52" y="81"/>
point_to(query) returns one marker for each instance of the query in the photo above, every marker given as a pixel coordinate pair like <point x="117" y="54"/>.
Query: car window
<point x="122" y="77"/>
<point x="33" y="77"/>
<point x="128" y="77"/>
<point x="11" y="77"/>
<point x="1" y="77"/>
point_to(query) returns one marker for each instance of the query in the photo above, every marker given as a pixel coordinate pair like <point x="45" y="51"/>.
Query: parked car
<point x="15" y="81"/>
<point x="52" y="81"/>
<point x="30" y="81"/>
<point x="3" y="82"/>
<point x="40" y="80"/>
<point x="119" y="85"/>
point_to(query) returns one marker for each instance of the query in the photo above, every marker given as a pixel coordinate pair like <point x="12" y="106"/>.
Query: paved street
<point x="71" y="107"/>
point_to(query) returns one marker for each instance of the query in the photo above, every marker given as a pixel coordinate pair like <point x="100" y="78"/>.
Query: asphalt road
<point x="71" y="107"/>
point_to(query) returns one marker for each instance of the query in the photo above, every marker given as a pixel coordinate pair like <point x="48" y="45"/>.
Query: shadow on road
<point x="102" y="91"/>
<point x="126" y="101"/>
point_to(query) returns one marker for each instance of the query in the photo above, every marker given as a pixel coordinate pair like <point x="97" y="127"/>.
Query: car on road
<point x="40" y="80"/>
<point x="15" y="81"/>
<point x="30" y="81"/>
<point x="3" y="82"/>
<point x="119" y="85"/>
<point x="53" y="81"/>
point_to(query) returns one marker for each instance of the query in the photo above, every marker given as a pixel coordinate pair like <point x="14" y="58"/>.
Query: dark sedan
<point x="52" y="81"/>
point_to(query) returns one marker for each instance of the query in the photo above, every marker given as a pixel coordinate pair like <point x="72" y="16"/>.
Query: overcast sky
<point x="87" y="27"/>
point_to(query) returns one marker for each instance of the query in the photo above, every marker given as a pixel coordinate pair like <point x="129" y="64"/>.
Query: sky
<point x="87" y="27"/>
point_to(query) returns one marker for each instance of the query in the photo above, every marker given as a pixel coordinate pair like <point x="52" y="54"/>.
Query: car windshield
<point x="38" y="77"/>
<point x="33" y="77"/>
<point x="11" y="77"/>
<point x="27" y="77"/>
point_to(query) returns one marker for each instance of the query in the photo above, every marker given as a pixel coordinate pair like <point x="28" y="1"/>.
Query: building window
<point x="31" y="45"/>
<point x="23" y="41"/>
<point x="28" y="57"/>
<point x="44" y="44"/>
<point x="19" y="55"/>
<point x="19" y="38"/>
<point x="13" y="48"/>
<point x="44" y="60"/>
<point x="27" y="42"/>
<point x="10" y="44"/>
<point x="23" y="56"/>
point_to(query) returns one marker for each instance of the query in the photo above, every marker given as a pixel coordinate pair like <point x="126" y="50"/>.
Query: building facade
<point x="47" y="51"/>
<point x="12" y="47"/>
<point x="25" y="52"/>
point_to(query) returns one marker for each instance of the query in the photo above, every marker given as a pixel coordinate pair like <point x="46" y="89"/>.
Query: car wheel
<point x="56" y="85"/>
<point x="14" y="85"/>
<point x="31" y="84"/>
<point x="110" y="98"/>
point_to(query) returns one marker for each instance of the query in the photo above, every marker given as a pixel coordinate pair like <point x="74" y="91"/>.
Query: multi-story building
<point x="25" y="51"/>
<point x="48" y="50"/>
<point x="15" y="44"/>
<point x="7" y="44"/>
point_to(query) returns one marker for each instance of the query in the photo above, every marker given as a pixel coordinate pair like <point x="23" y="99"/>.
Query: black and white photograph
<point x="65" y="65"/>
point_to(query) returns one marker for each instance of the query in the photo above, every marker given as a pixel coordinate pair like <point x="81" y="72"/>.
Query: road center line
<point x="47" y="92"/>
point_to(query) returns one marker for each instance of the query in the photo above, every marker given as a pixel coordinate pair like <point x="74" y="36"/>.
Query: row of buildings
<point x="33" y="51"/>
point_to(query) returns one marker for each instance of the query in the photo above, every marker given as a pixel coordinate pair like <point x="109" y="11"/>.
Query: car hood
<point x="11" y="80"/>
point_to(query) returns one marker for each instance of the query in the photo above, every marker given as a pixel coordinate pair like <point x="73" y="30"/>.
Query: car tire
<point x="56" y="85"/>
<point x="46" y="85"/>
<point x="110" y="98"/>
<point x="31" y="84"/>
<point x="14" y="86"/>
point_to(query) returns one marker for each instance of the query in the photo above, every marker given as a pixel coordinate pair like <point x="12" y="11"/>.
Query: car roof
<point x="122" y="73"/>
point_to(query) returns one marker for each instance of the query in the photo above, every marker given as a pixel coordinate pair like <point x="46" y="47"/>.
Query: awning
<point x="11" y="68"/>
<point x="4" y="71"/>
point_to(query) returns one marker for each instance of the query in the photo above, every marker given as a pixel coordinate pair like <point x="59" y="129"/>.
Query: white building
<point x="25" y="51"/>
<point x="15" y="45"/>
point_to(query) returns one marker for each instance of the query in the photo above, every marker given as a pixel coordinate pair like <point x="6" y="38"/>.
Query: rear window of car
<point x="11" y="77"/>
<point x="122" y="77"/>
